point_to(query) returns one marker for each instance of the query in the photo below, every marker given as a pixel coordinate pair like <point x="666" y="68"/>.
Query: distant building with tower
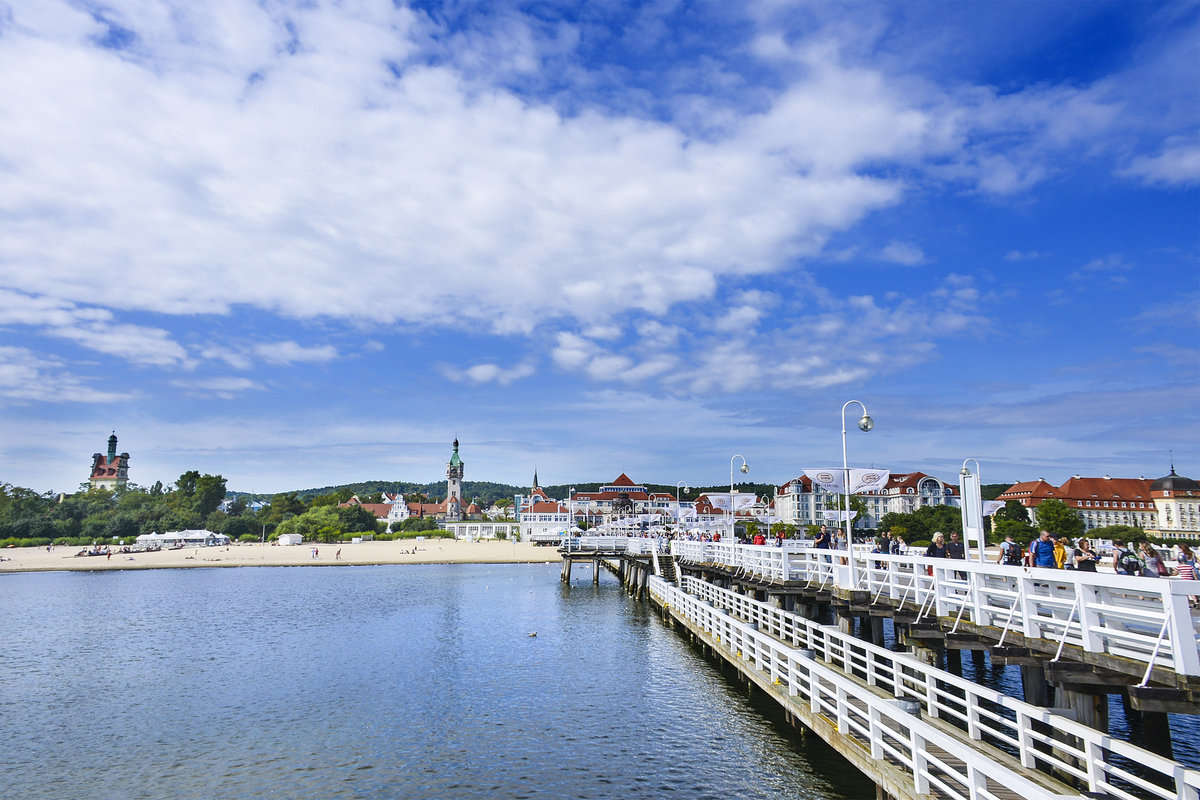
<point x="454" y="476"/>
<point x="109" y="471"/>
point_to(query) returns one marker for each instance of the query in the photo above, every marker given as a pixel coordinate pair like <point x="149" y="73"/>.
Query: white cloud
<point x="502" y="375"/>
<point x="905" y="253"/>
<point x="92" y="328"/>
<point x="226" y="388"/>
<point x="26" y="376"/>
<point x="289" y="352"/>
<point x="1178" y="164"/>
<point x="1017" y="255"/>
<point x="304" y="178"/>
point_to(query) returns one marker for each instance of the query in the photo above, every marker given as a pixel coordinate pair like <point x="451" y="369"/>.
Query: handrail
<point x="1120" y="615"/>
<point x="775" y="640"/>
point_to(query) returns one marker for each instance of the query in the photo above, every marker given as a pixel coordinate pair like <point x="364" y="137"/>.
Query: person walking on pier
<point x="1084" y="556"/>
<point x="821" y="540"/>
<point x="1061" y="548"/>
<point x="1010" y="552"/>
<point x="1041" y="551"/>
<point x="1185" y="565"/>
<point x="954" y="548"/>
<point x="1126" y="561"/>
<point x="937" y="548"/>
<point x="1153" y="565"/>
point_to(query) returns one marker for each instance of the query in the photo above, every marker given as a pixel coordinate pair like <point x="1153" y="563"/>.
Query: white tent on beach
<point x="200" y="538"/>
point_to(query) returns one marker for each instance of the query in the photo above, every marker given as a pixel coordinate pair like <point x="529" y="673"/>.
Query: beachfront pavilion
<point x="200" y="538"/>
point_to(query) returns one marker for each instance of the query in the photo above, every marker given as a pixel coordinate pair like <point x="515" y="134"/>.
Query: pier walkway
<point x="916" y="730"/>
<point x="1140" y="628"/>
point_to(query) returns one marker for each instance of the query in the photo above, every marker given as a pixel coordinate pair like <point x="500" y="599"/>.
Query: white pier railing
<point x="606" y="544"/>
<point x="1144" y="619"/>
<point x="817" y="663"/>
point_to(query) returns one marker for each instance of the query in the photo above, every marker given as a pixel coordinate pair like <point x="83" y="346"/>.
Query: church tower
<point x="454" y="474"/>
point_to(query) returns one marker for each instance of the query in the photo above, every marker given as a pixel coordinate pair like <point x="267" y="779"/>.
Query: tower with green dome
<point x="454" y="475"/>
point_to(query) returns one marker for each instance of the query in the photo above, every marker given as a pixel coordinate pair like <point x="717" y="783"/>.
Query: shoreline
<point x="408" y="551"/>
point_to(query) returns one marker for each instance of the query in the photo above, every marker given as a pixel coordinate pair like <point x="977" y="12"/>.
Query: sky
<point x="301" y="244"/>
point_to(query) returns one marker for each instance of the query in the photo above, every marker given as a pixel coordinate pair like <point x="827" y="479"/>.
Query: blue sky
<point x="301" y="244"/>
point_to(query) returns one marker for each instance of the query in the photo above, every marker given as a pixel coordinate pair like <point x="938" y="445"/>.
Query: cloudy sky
<point x="310" y="243"/>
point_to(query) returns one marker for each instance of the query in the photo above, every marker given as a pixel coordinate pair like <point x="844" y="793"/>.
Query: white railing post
<point x="1182" y="632"/>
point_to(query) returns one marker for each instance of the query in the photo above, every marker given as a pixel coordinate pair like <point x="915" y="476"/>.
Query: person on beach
<point x="338" y="555"/>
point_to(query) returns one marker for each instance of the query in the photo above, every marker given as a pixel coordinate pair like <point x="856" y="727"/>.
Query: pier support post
<point x="1033" y="681"/>
<point x="595" y="572"/>
<point x="566" y="571"/>
<point x="1089" y="708"/>
<point x="875" y="630"/>
<point x="924" y="654"/>
<point x="1155" y="728"/>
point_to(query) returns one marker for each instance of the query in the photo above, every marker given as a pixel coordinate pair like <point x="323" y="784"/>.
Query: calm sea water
<point x="375" y="682"/>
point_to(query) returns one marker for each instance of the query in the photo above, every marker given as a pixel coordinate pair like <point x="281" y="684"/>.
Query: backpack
<point x="1130" y="562"/>
<point x="1012" y="555"/>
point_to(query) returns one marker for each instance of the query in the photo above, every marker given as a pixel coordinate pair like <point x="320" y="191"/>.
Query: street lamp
<point x="865" y="424"/>
<point x="571" y="510"/>
<point x="678" y="506"/>
<point x="732" y="515"/>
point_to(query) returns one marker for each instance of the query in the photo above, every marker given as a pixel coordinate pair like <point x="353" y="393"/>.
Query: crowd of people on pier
<point x="1140" y="559"/>
<point x="1137" y="558"/>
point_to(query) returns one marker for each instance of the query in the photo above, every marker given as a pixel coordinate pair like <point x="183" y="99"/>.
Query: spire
<point x="112" y="447"/>
<point x="535" y="483"/>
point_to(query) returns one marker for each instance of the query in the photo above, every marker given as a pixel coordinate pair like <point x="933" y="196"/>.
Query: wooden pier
<point x="917" y="730"/>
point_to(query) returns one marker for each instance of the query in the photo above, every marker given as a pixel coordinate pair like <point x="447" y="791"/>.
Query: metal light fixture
<point x="865" y="424"/>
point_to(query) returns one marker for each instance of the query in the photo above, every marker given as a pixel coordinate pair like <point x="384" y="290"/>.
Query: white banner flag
<point x="737" y="501"/>
<point x="834" y="516"/>
<point x="828" y="479"/>
<point x="992" y="506"/>
<point x="868" y="480"/>
<point x="861" y="480"/>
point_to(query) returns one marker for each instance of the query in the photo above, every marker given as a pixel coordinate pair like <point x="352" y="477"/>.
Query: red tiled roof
<point x="1106" y="489"/>
<point x="804" y="481"/>
<point x="623" y="480"/>
<point x="593" y="497"/>
<point x="1034" y="492"/>
<point x="546" y="508"/>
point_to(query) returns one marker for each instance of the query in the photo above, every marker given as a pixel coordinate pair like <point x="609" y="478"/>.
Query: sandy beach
<point x="431" y="551"/>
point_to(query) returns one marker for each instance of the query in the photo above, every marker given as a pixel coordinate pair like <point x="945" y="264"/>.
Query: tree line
<point x="193" y="502"/>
